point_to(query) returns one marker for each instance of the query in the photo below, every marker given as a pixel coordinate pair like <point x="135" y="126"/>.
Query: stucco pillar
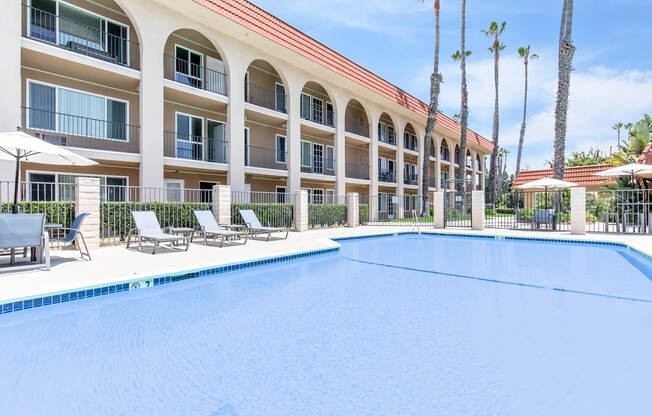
<point x="236" y="124"/>
<point x="301" y="210"/>
<point x="400" y="169"/>
<point x="483" y="179"/>
<point x="151" y="109"/>
<point x="294" y="135"/>
<point x="10" y="85"/>
<point x="474" y="179"/>
<point x="477" y="210"/>
<point x="438" y="209"/>
<point x="373" y="168"/>
<point x="451" y="169"/>
<point x="578" y="210"/>
<point x="352" y="210"/>
<point x="87" y="199"/>
<point x="436" y="143"/>
<point x="222" y="204"/>
<point x="340" y="149"/>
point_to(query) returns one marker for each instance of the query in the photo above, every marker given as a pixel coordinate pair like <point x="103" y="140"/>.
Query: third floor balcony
<point x="181" y="145"/>
<point x="266" y="97"/>
<point x="187" y="70"/>
<point x="356" y="126"/>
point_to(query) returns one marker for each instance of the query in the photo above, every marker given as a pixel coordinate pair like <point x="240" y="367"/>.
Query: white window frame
<point x="275" y="97"/>
<point x="284" y="188"/>
<point x="312" y="113"/>
<point x="330" y="195"/>
<point x="333" y="160"/>
<point x="176" y="131"/>
<point x="321" y="195"/>
<point x="382" y="196"/>
<point x="276" y="149"/>
<point x="246" y="87"/>
<point x="178" y="181"/>
<point x="56" y="87"/>
<point x="247" y="140"/>
<point x="325" y="114"/>
<point x="313" y="146"/>
<point x="309" y="165"/>
<point x="309" y="106"/>
<point x="28" y="172"/>
<point x="201" y="63"/>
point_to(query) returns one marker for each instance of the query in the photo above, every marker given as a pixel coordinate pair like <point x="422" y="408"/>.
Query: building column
<point x="400" y="169"/>
<point x="451" y="169"/>
<point x="340" y="149"/>
<point x="578" y="210"/>
<point x="301" y="210"/>
<point x="236" y="124"/>
<point x="438" y="209"/>
<point x="373" y="167"/>
<point x="437" y="145"/>
<point x="477" y="210"/>
<point x="87" y="199"/>
<point x="151" y="110"/>
<point x="10" y="83"/>
<point x="353" y="210"/>
<point x="483" y="167"/>
<point x="294" y="135"/>
<point x="474" y="179"/>
<point x="222" y="204"/>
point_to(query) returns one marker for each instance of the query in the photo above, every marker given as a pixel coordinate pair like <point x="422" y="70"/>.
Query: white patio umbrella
<point x="546" y="183"/>
<point x="631" y="170"/>
<point x="19" y="146"/>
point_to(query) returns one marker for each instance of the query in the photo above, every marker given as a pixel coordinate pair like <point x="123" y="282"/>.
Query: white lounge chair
<point x="255" y="227"/>
<point x="209" y="228"/>
<point x="148" y="229"/>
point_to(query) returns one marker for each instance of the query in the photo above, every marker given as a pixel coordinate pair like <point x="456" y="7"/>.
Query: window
<point x="174" y="190"/>
<point x="305" y="154"/>
<point x="246" y="86"/>
<point x="188" y="66"/>
<point x="330" y="158"/>
<point x="330" y="196"/>
<point x="329" y="114"/>
<point x="305" y="106"/>
<point x="390" y="135"/>
<point x="279" y="95"/>
<point x="281" y="150"/>
<point x="77" y="113"/>
<point x="382" y="132"/>
<point x="61" y="187"/>
<point x="216" y="150"/>
<point x="280" y="194"/>
<point x="317" y="196"/>
<point x="382" y="202"/>
<point x="317" y="110"/>
<point x="246" y="143"/>
<point x="206" y="191"/>
<point x="190" y="140"/>
<point x="42" y="187"/>
<point x="406" y="140"/>
<point x="317" y="158"/>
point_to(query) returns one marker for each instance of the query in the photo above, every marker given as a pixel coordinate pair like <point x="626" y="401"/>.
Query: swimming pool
<point x="396" y="325"/>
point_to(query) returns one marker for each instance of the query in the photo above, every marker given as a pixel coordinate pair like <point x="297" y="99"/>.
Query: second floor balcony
<point x="358" y="127"/>
<point x="412" y="180"/>
<point x="193" y="74"/>
<point x="388" y="176"/>
<point x="357" y="171"/>
<point x="319" y="165"/>
<point x="432" y="181"/>
<point x="181" y="145"/>
<point x="262" y="157"/>
<point x="81" y="132"/>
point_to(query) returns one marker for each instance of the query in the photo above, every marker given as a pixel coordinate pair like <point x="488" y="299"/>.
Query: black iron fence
<point x="619" y="211"/>
<point x="265" y="97"/>
<point x="359" y="127"/>
<point x="273" y="209"/>
<point x="397" y="210"/>
<point x="184" y="146"/>
<point x="194" y="75"/>
<point x="530" y="210"/>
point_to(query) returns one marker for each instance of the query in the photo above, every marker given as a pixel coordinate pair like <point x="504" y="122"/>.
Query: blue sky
<point x="612" y="80"/>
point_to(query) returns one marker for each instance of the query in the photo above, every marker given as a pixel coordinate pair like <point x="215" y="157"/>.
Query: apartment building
<point x="193" y="93"/>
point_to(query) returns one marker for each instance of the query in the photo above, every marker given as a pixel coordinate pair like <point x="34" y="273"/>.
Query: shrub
<point x="326" y="215"/>
<point x="363" y="212"/>
<point x="60" y="212"/>
<point x="274" y="214"/>
<point x="490" y="212"/>
<point x="453" y="214"/>
<point x="505" y="211"/>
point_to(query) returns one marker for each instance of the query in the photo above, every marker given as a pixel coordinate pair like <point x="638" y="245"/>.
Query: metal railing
<point x="619" y="211"/>
<point x="273" y="209"/>
<point x="445" y="154"/>
<point x="79" y="38"/>
<point x="457" y="208"/>
<point x="318" y="165"/>
<point x="358" y="127"/>
<point x="388" y="176"/>
<point x="531" y="210"/>
<point x="265" y="97"/>
<point x="357" y="171"/>
<point x="193" y="75"/>
<point x="410" y="181"/>
<point x="389" y="138"/>
<point x="84" y="132"/>
<point x="320" y="116"/>
<point x="432" y="181"/>
<point x="183" y="146"/>
<point x="261" y="157"/>
<point x="398" y="210"/>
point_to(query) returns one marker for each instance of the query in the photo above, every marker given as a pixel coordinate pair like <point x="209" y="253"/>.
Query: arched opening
<point x="356" y="120"/>
<point x="469" y="160"/>
<point x="191" y="59"/>
<point x="444" y="151"/>
<point x="386" y="129"/>
<point x="410" y="141"/>
<point x="264" y="86"/>
<point x="316" y="105"/>
<point x="457" y="154"/>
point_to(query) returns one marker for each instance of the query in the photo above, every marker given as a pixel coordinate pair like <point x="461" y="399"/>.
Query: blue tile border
<point x="79" y="294"/>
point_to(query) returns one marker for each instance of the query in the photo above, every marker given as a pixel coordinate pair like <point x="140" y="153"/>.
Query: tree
<point x="461" y="55"/>
<point x="566" y="52"/>
<point x="630" y="150"/>
<point x="501" y="170"/>
<point x="618" y="127"/>
<point x="494" y="31"/>
<point x="524" y="52"/>
<point x="592" y="157"/>
<point x="435" y="82"/>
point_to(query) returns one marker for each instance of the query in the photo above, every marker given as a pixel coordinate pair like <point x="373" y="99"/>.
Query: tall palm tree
<point x="435" y="82"/>
<point x="618" y="127"/>
<point x="461" y="55"/>
<point x="524" y="52"/>
<point x="566" y="52"/>
<point x="494" y="31"/>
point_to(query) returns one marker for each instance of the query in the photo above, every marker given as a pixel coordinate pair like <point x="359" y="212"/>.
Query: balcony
<point x="386" y="176"/>
<point x="204" y="149"/>
<point x="357" y="171"/>
<point x="110" y="45"/>
<point x="81" y="132"/>
<point x="410" y="181"/>
<point x="389" y="137"/>
<point x="318" y="165"/>
<point x="358" y="127"/>
<point x="432" y="181"/>
<point x="433" y="152"/>
<point x="261" y="157"/>
<point x="265" y="97"/>
<point x="193" y="75"/>
<point x="445" y="155"/>
<point x="316" y="114"/>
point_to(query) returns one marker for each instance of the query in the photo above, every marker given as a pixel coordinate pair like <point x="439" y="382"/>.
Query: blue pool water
<point x="400" y="325"/>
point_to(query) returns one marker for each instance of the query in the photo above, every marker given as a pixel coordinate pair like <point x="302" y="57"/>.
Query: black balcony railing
<point x="358" y="127"/>
<point x="387" y="176"/>
<point x="261" y="157"/>
<point x="83" y="132"/>
<point x="111" y="45"/>
<point x="357" y="171"/>
<point x="184" y="146"/>
<point x="265" y="97"/>
<point x="410" y="181"/>
<point x="196" y="76"/>
<point x="318" y="165"/>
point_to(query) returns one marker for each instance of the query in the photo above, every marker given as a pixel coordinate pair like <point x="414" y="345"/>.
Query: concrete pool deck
<point x="115" y="264"/>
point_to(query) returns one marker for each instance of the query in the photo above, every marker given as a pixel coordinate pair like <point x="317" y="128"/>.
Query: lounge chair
<point x="255" y="227"/>
<point x="73" y="232"/>
<point x="148" y="229"/>
<point x="210" y="229"/>
<point x="25" y="231"/>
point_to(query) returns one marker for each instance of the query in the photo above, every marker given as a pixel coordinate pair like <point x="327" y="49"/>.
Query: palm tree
<point x="494" y="31"/>
<point x="566" y="52"/>
<point x="461" y="55"/>
<point x="523" y="52"/>
<point x="618" y="126"/>
<point x="435" y="82"/>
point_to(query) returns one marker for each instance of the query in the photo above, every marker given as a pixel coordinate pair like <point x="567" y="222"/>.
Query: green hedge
<point x="116" y="221"/>
<point x="276" y="215"/>
<point x="363" y="213"/>
<point x="60" y="212"/>
<point x="505" y="211"/>
<point x="326" y="215"/>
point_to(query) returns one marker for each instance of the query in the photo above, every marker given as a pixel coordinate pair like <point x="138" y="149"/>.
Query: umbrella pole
<point x="14" y="208"/>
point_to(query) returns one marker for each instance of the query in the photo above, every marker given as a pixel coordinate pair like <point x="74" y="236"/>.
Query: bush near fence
<point x="274" y="214"/>
<point x="363" y="213"/>
<point x="60" y="212"/>
<point x="116" y="220"/>
<point x="326" y="215"/>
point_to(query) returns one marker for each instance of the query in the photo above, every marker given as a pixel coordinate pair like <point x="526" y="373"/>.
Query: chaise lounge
<point x="23" y="231"/>
<point x="210" y="229"/>
<point x="255" y="227"/>
<point x="148" y="229"/>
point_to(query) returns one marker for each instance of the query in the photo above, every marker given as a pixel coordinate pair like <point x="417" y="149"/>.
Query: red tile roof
<point x="646" y="157"/>
<point x="258" y="20"/>
<point x="581" y="175"/>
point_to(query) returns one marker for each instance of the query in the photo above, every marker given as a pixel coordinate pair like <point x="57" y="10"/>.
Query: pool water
<point x="399" y="325"/>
